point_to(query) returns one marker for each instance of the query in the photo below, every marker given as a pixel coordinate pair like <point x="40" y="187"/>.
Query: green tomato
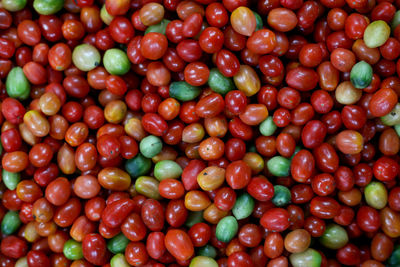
<point x="10" y="223"/>
<point x="252" y="148"/>
<point x="11" y="179"/>
<point x="397" y="129"/>
<point x="361" y="75"/>
<point x="167" y="169"/>
<point x="73" y="250"/>
<point x="118" y="243"/>
<point x="17" y="85"/>
<point x="375" y="194"/>
<point x="202" y="261"/>
<point x="116" y="61"/>
<point x="22" y="262"/>
<point x="160" y="27"/>
<point x="138" y="166"/>
<point x="208" y="251"/>
<point x="219" y="83"/>
<point x="150" y="146"/>
<point x="13" y="5"/>
<point x="394" y="259"/>
<point x="309" y="258"/>
<point x="183" y="91"/>
<point x="396" y="20"/>
<point x="268" y="126"/>
<point x="393" y="117"/>
<point x="193" y="218"/>
<point x="148" y="187"/>
<point x="376" y="34"/>
<point x="282" y="196"/>
<point x="48" y="7"/>
<point x="279" y="166"/>
<point x="334" y="237"/>
<point x="86" y="57"/>
<point x="105" y="16"/>
<point x="119" y="260"/>
<point x="226" y="229"/>
<point x="258" y="21"/>
<point x="243" y="207"/>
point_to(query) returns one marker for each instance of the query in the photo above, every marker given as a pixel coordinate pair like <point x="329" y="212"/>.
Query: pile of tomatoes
<point x="200" y="133"/>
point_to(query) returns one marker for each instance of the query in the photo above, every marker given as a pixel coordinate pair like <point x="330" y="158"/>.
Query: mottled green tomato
<point x="119" y="260"/>
<point x="334" y="237"/>
<point x="309" y="258"/>
<point x="17" y="85"/>
<point x="202" y="261"/>
<point x="167" y="169"/>
<point x="361" y="75"/>
<point x="10" y="223"/>
<point x="243" y="207"/>
<point x="48" y="7"/>
<point x="227" y="228"/>
<point x="282" y="196"/>
<point x="116" y="61"/>
<point x="268" y="126"/>
<point x="13" y="5"/>
<point x="183" y="91"/>
<point x="150" y="146"/>
<point x="11" y="179"/>
<point x="138" y="166"/>
<point x="279" y="166"/>
<point x="219" y="83"/>
<point x="86" y="57"/>
<point x="208" y="251"/>
<point x="148" y="187"/>
<point x="73" y="250"/>
<point x="118" y="243"/>
<point x="376" y="195"/>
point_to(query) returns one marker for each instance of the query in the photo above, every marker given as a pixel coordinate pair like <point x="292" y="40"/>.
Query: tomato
<point x="302" y="165"/>
<point x="178" y="243"/>
<point x="385" y="169"/>
<point x="176" y="212"/>
<point x="275" y="219"/>
<point x="324" y="207"/>
<point x="121" y="207"/>
<point x="238" y="174"/>
<point x="14" y="247"/>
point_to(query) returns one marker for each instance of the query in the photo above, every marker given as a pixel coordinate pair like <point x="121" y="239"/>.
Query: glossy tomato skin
<point x="386" y="169"/>
<point x="136" y="254"/>
<point x="313" y="134"/>
<point x="238" y="174"/>
<point x="14" y="247"/>
<point x="276" y="219"/>
<point x="302" y="166"/>
<point x="178" y="243"/>
<point x="324" y="207"/>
